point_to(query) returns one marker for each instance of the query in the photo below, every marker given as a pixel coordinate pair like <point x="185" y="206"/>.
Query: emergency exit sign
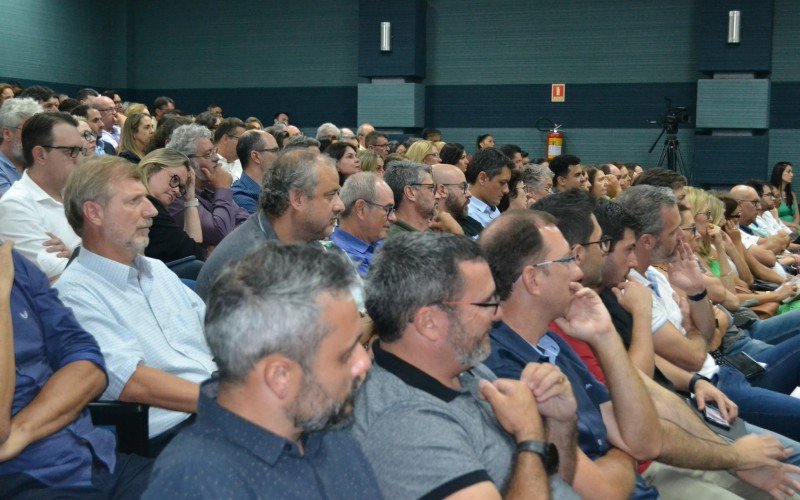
<point x="557" y="92"/>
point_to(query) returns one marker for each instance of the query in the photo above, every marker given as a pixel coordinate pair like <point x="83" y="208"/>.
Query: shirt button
<point x="599" y="442"/>
<point x="287" y="447"/>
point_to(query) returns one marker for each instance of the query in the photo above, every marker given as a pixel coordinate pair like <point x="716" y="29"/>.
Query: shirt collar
<point x="513" y="342"/>
<point x="112" y="271"/>
<point x="249" y="182"/>
<point x="404" y="226"/>
<point x="351" y="241"/>
<point x="412" y="375"/>
<point x="482" y="206"/>
<point x="262" y="443"/>
<point x="37" y="193"/>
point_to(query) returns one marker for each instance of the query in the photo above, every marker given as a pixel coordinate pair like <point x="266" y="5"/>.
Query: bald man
<point x="454" y="190"/>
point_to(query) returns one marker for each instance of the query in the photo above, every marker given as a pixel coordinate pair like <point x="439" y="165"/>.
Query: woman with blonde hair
<point x="371" y="161"/>
<point x="136" y="134"/>
<point x="423" y="152"/>
<point x="136" y="107"/>
<point x="167" y="176"/>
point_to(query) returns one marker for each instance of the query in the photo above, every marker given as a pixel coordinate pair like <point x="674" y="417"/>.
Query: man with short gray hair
<point x="219" y="214"/>
<point x="361" y="134"/>
<point x="415" y="195"/>
<point x="328" y="131"/>
<point x="13" y="115"/>
<point x="299" y="204"/>
<point x="366" y="219"/>
<point x="288" y="375"/>
<point x="302" y="142"/>
<point x="538" y="181"/>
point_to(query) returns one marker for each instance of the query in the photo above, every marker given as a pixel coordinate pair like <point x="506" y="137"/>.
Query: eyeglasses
<point x="569" y="259"/>
<point x="756" y="203"/>
<point x="381" y="145"/>
<point x="175" y="182"/>
<point x="464" y="187"/>
<point x="269" y="150"/>
<point x="692" y="229"/>
<point x="494" y="304"/>
<point x="604" y="243"/>
<point x="107" y="110"/>
<point x="389" y="209"/>
<point x="208" y="155"/>
<point x="436" y="155"/>
<point x="72" y="151"/>
<point x="89" y="136"/>
<point x="430" y="185"/>
<point x="736" y="216"/>
<point x="707" y="213"/>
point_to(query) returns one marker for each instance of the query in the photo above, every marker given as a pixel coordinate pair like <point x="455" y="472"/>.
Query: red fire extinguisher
<point x="555" y="142"/>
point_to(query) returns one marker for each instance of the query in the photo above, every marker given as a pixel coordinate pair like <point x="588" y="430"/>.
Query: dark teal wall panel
<point x="501" y="42"/>
<point x="733" y="104"/>
<point x="721" y="160"/>
<point x="753" y="53"/>
<point x="408" y="25"/>
<point x="217" y="44"/>
<point x="786" y="42"/>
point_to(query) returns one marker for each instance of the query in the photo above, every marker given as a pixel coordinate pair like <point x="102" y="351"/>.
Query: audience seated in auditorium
<point x="13" y="115"/>
<point x="51" y="368"/>
<point x="453" y="188"/>
<point x="149" y="325"/>
<point x="346" y="157"/>
<point x="226" y="137"/>
<point x="299" y="204"/>
<point x="219" y="214"/>
<point x="362" y="132"/>
<point x="432" y="420"/>
<point x="96" y="124"/>
<point x="484" y="141"/>
<point x="137" y="132"/>
<point x="44" y="96"/>
<point x="161" y="106"/>
<point x="454" y="154"/>
<point x="256" y="150"/>
<point x="111" y="130"/>
<point x="271" y="425"/>
<point x="371" y="161"/>
<point x="415" y="196"/>
<point x="31" y="211"/>
<point x="567" y="172"/>
<point x="423" y="152"/>
<point x="378" y="142"/>
<point x="365" y="221"/>
<point x="488" y="174"/>
<point x="514" y="152"/>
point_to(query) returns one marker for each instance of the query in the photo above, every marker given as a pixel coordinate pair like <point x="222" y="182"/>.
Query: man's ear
<point x="93" y="213"/>
<point x="430" y="321"/>
<point x="646" y="241"/>
<point x="531" y="279"/>
<point x="482" y="177"/>
<point x="280" y="375"/>
<point x="296" y="199"/>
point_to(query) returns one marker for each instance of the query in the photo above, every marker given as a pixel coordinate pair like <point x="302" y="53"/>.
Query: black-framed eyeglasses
<point x="430" y="185"/>
<point x="707" y="213"/>
<point x="381" y="145"/>
<point x="175" y="182"/>
<point x="72" y="151"/>
<point x="89" y="136"/>
<point x="464" y="186"/>
<point x="692" y="229"/>
<point x="735" y="216"/>
<point x="756" y="203"/>
<point x="436" y="154"/>
<point x="269" y="150"/>
<point x="604" y="243"/>
<point x="208" y="155"/>
<point x="569" y="259"/>
<point x="389" y="209"/>
<point x="495" y="303"/>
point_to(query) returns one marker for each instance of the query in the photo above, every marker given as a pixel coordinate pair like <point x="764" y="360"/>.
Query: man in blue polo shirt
<point x="256" y="149"/>
<point x="368" y="214"/>
<point x="50" y="368"/>
<point x="288" y="374"/>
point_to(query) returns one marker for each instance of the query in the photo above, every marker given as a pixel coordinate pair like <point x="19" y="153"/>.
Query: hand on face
<point x="684" y="272"/>
<point x="588" y="318"/>
<point x="218" y="177"/>
<point x="634" y="297"/>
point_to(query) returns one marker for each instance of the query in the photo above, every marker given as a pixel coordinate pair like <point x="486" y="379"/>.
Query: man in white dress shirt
<point x="31" y="211"/>
<point x="148" y="324"/>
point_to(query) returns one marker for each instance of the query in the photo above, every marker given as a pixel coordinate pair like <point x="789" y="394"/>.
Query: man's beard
<point x="456" y="209"/>
<point x="315" y="409"/>
<point x="469" y="352"/>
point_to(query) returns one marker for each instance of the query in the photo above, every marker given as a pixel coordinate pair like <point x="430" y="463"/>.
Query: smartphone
<point x="713" y="416"/>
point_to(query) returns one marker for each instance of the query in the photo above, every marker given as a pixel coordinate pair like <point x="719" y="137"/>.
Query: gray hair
<point x="294" y="169"/>
<point x="15" y="110"/>
<point x="301" y="141"/>
<point x="360" y="186"/>
<point x="535" y="175"/>
<point x="266" y="303"/>
<point x="328" y="130"/>
<point x="399" y="174"/>
<point x="184" y="138"/>
<point x="411" y="271"/>
<point x="360" y="129"/>
<point x="644" y="203"/>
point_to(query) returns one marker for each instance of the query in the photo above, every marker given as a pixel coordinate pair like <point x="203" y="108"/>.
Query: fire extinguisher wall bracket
<point x="555" y="142"/>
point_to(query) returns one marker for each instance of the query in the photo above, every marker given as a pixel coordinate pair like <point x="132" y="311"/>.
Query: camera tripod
<point x="671" y="153"/>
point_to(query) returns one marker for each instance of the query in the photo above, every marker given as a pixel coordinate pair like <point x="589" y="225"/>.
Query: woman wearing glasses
<point x="89" y="139"/>
<point x="167" y="177"/>
<point x="136" y="135"/>
<point x="424" y="152"/>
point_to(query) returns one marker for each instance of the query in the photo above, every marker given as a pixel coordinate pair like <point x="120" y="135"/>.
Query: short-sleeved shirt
<point x="426" y="440"/>
<point x="47" y="337"/>
<point x="139" y="314"/>
<point x="359" y="252"/>
<point x="510" y="354"/>
<point x="222" y="455"/>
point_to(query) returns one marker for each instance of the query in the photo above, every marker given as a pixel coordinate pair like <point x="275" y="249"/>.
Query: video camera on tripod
<point x="669" y="121"/>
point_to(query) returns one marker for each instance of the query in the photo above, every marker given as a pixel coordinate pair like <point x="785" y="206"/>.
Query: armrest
<point x="130" y="421"/>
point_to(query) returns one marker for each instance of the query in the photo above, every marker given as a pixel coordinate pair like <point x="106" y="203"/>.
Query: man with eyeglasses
<point x="256" y="150"/>
<point x="432" y="420"/>
<point x="13" y="115"/>
<point x="415" y="196"/>
<point x="488" y="175"/>
<point x="454" y="190"/>
<point x="95" y="121"/>
<point x="31" y="211"/>
<point x="366" y="219"/>
<point x="108" y="115"/>
<point x="378" y="142"/>
<point x="226" y="137"/>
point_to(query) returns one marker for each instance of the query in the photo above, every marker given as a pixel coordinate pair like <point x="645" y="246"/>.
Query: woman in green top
<point x="782" y="179"/>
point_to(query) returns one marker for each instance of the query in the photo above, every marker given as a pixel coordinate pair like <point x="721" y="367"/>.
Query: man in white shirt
<point x="108" y="114"/>
<point x="31" y="211"/>
<point x="226" y="137"/>
<point x="148" y="325"/>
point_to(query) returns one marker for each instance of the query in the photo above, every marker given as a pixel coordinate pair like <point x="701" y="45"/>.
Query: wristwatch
<point x="191" y="203"/>
<point x="547" y="451"/>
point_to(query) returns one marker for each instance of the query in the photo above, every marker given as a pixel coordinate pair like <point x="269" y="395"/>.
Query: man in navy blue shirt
<point x="256" y="150"/>
<point x="284" y="329"/>
<point x="50" y="369"/>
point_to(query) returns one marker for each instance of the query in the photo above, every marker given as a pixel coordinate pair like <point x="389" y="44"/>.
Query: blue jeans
<point x="794" y="458"/>
<point x="764" y="401"/>
<point x="776" y="329"/>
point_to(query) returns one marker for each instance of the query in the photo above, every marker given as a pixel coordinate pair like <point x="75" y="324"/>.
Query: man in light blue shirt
<point x="148" y="324"/>
<point x="13" y="115"/>
<point x="368" y="214"/>
<point x="256" y="149"/>
<point x="488" y="175"/>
